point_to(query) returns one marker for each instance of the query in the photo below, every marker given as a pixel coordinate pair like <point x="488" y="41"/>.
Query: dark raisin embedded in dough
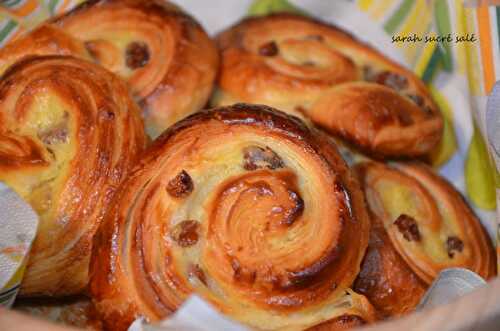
<point x="454" y="244"/>
<point x="57" y="134"/>
<point x="185" y="233"/>
<point x="408" y="227"/>
<point x="106" y="113"/>
<point x="269" y="49"/>
<point x="242" y="274"/>
<point x="292" y="214"/>
<point x="391" y="79"/>
<point x="136" y="55"/>
<point x="257" y="157"/>
<point x="196" y="272"/>
<point x="181" y="185"/>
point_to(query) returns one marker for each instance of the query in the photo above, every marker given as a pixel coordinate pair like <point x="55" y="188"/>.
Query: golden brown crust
<point x="258" y="188"/>
<point x="163" y="53"/>
<point x="44" y="40"/>
<point x="428" y="221"/>
<point x="69" y="132"/>
<point x="310" y="68"/>
<point x="385" y="278"/>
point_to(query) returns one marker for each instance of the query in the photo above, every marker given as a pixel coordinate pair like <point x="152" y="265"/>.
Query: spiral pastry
<point x="427" y="220"/>
<point x="245" y="206"/>
<point x="164" y="54"/>
<point x="69" y="132"/>
<point x="44" y="40"/>
<point x="310" y="68"/>
<point x="385" y="278"/>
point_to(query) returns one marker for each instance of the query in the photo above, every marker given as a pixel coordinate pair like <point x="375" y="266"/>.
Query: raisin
<point x="454" y="244"/>
<point x="257" y="157"/>
<point x="295" y="212"/>
<point x="392" y="80"/>
<point x="408" y="227"/>
<point x="196" y="272"/>
<point x="136" y="55"/>
<point x="269" y="49"/>
<point x="57" y="134"/>
<point x="185" y="233"/>
<point x="181" y="185"/>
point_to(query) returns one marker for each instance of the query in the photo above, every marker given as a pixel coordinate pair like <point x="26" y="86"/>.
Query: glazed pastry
<point x="44" y="40"/>
<point x="69" y="132"/>
<point x="427" y="220"/>
<point x="310" y="68"/>
<point x="385" y="278"/>
<point x="247" y="207"/>
<point x="164" y="54"/>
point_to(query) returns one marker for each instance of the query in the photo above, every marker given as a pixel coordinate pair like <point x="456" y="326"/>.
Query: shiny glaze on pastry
<point x="69" y="132"/>
<point x="300" y="65"/>
<point x="44" y="40"/>
<point x="163" y="53"/>
<point x="385" y="278"/>
<point x="245" y="206"/>
<point x="428" y="221"/>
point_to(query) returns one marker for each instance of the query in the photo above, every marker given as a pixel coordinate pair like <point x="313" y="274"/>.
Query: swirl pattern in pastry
<point x="44" y="40"/>
<point x="428" y="221"/>
<point x="69" y="132"/>
<point x="164" y="54"/>
<point x="247" y="207"/>
<point x="316" y="70"/>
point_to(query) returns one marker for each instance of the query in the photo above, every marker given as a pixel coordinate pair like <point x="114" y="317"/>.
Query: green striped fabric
<point x="398" y="17"/>
<point x="443" y="28"/>
<point x="11" y="3"/>
<point x="8" y="28"/>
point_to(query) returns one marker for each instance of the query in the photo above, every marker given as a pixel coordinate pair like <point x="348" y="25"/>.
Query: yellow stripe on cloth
<point x="417" y="22"/>
<point x="364" y="4"/>
<point x="460" y="24"/>
<point x="381" y="9"/>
